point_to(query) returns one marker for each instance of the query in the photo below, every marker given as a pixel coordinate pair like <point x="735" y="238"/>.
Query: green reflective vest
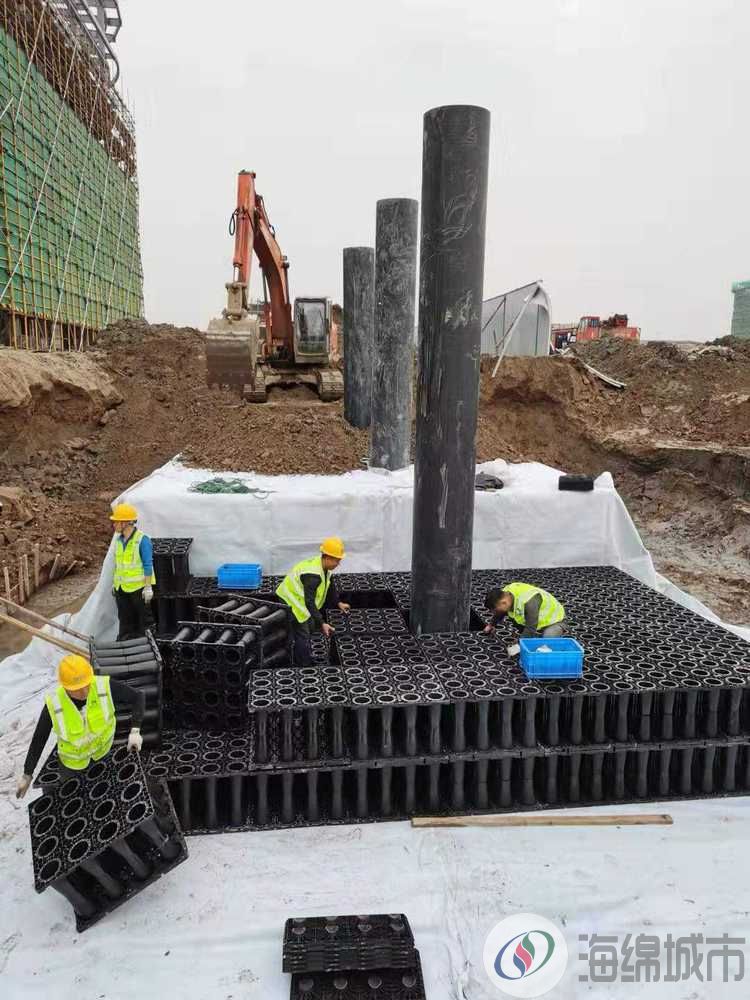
<point x="292" y="591"/>
<point x="550" y="613"/>
<point x="83" y="736"/>
<point x="129" y="565"/>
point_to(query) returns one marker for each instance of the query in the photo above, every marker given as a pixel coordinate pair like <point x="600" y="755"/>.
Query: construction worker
<point x="535" y="611"/>
<point x="82" y="714"/>
<point x="306" y="589"/>
<point x="134" y="573"/>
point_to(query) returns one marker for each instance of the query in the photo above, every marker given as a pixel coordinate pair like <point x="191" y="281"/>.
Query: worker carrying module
<point x="307" y="589"/>
<point x="533" y="610"/>
<point x="81" y="712"/>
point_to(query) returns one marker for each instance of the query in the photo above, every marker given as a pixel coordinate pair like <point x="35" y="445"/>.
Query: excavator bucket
<point x="232" y="353"/>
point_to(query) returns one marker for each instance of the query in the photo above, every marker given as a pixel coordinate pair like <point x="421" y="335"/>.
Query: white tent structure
<point x="517" y="323"/>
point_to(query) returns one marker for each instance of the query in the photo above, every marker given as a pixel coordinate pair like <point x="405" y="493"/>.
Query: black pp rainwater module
<point x="103" y="837"/>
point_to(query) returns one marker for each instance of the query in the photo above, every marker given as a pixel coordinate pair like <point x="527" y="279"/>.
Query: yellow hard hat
<point x="124" y="512"/>
<point x="74" y="672"/>
<point x="333" y="547"/>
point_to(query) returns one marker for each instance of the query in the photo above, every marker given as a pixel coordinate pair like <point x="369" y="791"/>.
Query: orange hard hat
<point x="124" y="512"/>
<point x="74" y="672"/>
<point x="333" y="547"/>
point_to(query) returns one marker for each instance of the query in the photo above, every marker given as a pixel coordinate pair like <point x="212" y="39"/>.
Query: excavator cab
<point x="312" y="331"/>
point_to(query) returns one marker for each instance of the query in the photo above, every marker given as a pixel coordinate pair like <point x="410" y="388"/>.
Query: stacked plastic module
<point x="138" y="663"/>
<point x="209" y="661"/>
<point x="352" y="958"/>
<point x="101" y="837"/>
<point x="172" y="571"/>
<point x="387" y="725"/>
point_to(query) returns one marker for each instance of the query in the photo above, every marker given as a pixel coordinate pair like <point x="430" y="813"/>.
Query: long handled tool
<point x="45" y="621"/>
<point x="61" y="643"/>
<point x="548" y="819"/>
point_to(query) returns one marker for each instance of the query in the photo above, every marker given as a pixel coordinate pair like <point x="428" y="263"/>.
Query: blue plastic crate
<point x="565" y="660"/>
<point x="239" y="576"/>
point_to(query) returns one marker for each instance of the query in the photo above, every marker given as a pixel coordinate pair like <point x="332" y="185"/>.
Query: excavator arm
<point x="254" y="233"/>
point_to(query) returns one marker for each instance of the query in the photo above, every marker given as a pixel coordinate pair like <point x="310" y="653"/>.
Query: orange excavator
<point x="257" y="345"/>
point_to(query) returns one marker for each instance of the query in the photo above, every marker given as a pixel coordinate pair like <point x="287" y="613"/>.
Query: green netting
<point x="82" y="262"/>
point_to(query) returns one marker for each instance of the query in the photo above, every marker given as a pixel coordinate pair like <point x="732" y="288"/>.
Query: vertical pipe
<point x="359" y="319"/>
<point x="236" y="786"/>
<point x="455" y="156"/>
<point x="395" y="286"/>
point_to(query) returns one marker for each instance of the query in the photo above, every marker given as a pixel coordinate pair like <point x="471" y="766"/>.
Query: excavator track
<point x="255" y="392"/>
<point x="330" y="384"/>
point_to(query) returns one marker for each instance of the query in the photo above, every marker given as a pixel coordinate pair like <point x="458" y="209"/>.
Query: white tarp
<point x="212" y="929"/>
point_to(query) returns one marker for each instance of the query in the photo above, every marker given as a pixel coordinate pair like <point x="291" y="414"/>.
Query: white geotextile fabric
<point x="212" y="929"/>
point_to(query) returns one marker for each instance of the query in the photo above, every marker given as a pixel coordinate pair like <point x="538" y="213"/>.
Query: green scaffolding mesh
<point x="69" y="239"/>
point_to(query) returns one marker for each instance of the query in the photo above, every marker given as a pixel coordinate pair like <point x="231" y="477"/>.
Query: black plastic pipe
<point x="359" y="320"/>
<point x="455" y="155"/>
<point x="395" y="290"/>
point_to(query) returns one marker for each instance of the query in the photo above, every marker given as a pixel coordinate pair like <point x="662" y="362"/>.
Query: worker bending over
<point x="535" y="611"/>
<point x="306" y="589"/>
<point x="134" y="573"/>
<point x="82" y="714"/>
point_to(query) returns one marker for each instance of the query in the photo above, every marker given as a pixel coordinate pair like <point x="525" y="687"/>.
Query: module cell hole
<point x="50" y="870"/>
<point x="79" y="851"/>
<point x="136" y="813"/>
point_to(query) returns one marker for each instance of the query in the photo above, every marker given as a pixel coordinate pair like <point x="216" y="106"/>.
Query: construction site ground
<point x="77" y="429"/>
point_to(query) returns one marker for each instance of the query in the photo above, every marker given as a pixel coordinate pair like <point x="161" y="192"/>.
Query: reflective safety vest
<point x="83" y="738"/>
<point x="550" y="613"/>
<point x="291" y="590"/>
<point x="129" y="565"/>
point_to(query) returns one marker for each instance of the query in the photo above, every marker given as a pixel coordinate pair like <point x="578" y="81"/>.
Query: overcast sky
<point x="619" y="161"/>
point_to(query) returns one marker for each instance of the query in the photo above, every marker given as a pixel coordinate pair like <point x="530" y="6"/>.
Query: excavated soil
<point x="75" y="430"/>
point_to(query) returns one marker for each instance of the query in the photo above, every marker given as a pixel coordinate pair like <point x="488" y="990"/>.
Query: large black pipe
<point x="455" y="156"/>
<point x="395" y="288"/>
<point x="359" y="319"/>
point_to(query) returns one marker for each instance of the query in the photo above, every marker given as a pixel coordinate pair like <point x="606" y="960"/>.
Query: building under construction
<point x="70" y="258"/>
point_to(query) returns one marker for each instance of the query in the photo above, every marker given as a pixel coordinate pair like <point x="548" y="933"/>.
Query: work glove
<point x="513" y="650"/>
<point x="489" y="629"/>
<point x="327" y="629"/>
<point x="135" y="740"/>
<point x="343" y="606"/>
<point x="148" y="593"/>
<point x="23" y="785"/>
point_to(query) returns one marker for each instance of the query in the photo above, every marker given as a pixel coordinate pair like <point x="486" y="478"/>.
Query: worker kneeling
<point x="535" y="611"/>
<point x="307" y="589"/>
<point x="82" y="714"/>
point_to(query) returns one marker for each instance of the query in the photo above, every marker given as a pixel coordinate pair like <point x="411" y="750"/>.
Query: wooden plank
<point x="6" y="577"/>
<point x="61" y="643"/>
<point x="53" y="570"/>
<point x="547" y="819"/>
<point x="21" y="599"/>
<point x="36" y="566"/>
<point x="35" y="616"/>
<point x="26" y="575"/>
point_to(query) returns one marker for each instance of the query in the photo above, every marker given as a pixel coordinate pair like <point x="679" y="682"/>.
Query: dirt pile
<point x="46" y="398"/>
<point x="76" y="430"/>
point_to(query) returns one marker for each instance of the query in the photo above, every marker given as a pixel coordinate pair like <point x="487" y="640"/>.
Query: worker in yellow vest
<point x="307" y="588"/>
<point x="535" y="611"/>
<point x="81" y="713"/>
<point x="134" y="573"/>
